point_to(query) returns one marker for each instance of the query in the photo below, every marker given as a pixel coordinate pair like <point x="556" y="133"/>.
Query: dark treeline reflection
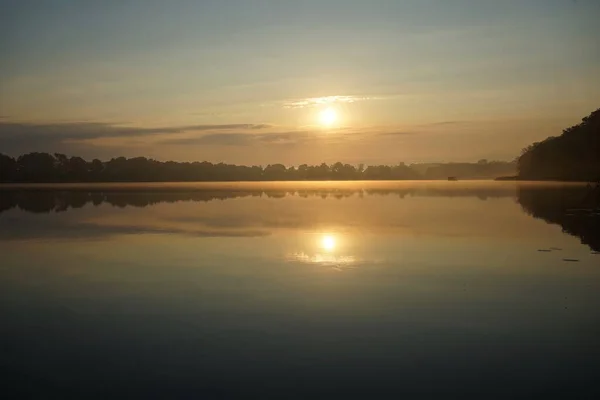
<point x="46" y="201"/>
<point x="576" y="209"/>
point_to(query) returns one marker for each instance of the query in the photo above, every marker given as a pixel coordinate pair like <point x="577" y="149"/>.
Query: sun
<point x="328" y="117"/>
<point x="328" y="242"/>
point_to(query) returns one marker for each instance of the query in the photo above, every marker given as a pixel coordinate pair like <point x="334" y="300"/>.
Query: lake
<point x="300" y="290"/>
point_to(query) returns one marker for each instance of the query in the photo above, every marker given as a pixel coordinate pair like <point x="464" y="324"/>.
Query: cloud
<point x="261" y="126"/>
<point x="94" y="130"/>
<point x="442" y="123"/>
<point x="17" y="137"/>
<point x="286" y="137"/>
<point x="245" y="139"/>
<point x="395" y="133"/>
<point x="84" y="138"/>
<point x="419" y="129"/>
<point x="320" y="101"/>
<point x="214" y="139"/>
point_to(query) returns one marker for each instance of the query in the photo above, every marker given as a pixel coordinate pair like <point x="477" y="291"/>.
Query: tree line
<point x="572" y="156"/>
<point x="45" y="167"/>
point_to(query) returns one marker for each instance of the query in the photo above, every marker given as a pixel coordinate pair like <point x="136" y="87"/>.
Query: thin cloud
<point x="395" y="133"/>
<point x="244" y="139"/>
<point x="214" y="139"/>
<point x="320" y="101"/>
<point x="83" y="138"/>
<point x="17" y="137"/>
<point x="442" y="123"/>
<point x="94" y="130"/>
<point x="261" y="126"/>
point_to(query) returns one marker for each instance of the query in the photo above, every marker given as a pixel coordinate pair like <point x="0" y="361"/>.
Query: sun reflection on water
<point x="326" y="251"/>
<point x="327" y="260"/>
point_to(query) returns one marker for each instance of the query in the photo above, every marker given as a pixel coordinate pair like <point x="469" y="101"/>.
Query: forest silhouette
<point x="572" y="156"/>
<point x="46" y="168"/>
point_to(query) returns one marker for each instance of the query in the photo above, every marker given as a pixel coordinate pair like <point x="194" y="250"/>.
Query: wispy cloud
<point x="17" y="137"/>
<point x="92" y="130"/>
<point x="97" y="139"/>
<point x="245" y="139"/>
<point x="444" y="123"/>
<point x="214" y="139"/>
<point x="320" y="101"/>
<point x="395" y="133"/>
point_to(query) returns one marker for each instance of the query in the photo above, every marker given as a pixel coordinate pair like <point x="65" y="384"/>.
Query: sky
<point x="311" y="81"/>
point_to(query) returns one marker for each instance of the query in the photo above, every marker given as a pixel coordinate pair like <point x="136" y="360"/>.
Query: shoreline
<point x="280" y="185"/>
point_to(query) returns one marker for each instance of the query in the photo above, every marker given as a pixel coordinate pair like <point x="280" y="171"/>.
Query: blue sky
<point x="416" y="80"/>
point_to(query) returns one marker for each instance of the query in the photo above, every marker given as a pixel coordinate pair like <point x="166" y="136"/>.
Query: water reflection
<point x="575" y="208"/>
<point x="255" y="292"/>
<point x="60" y="198"/>
<point x="563" y="205"/>
<point x="333" y="261"/>
<point x="326" y="251"/>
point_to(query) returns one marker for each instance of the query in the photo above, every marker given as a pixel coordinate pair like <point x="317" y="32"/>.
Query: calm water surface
<point x="300" y="290"/>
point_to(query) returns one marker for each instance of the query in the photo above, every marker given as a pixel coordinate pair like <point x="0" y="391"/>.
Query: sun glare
<point x="328" y="117"/>
<point x="328" y="242"/>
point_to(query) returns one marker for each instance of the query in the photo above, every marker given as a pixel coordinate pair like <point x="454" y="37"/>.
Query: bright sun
<point x="328" y="116"/>
<point x="328" y="242"/>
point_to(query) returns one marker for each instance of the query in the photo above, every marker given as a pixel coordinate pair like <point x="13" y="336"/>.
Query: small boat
<point x="452" y="178"/>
